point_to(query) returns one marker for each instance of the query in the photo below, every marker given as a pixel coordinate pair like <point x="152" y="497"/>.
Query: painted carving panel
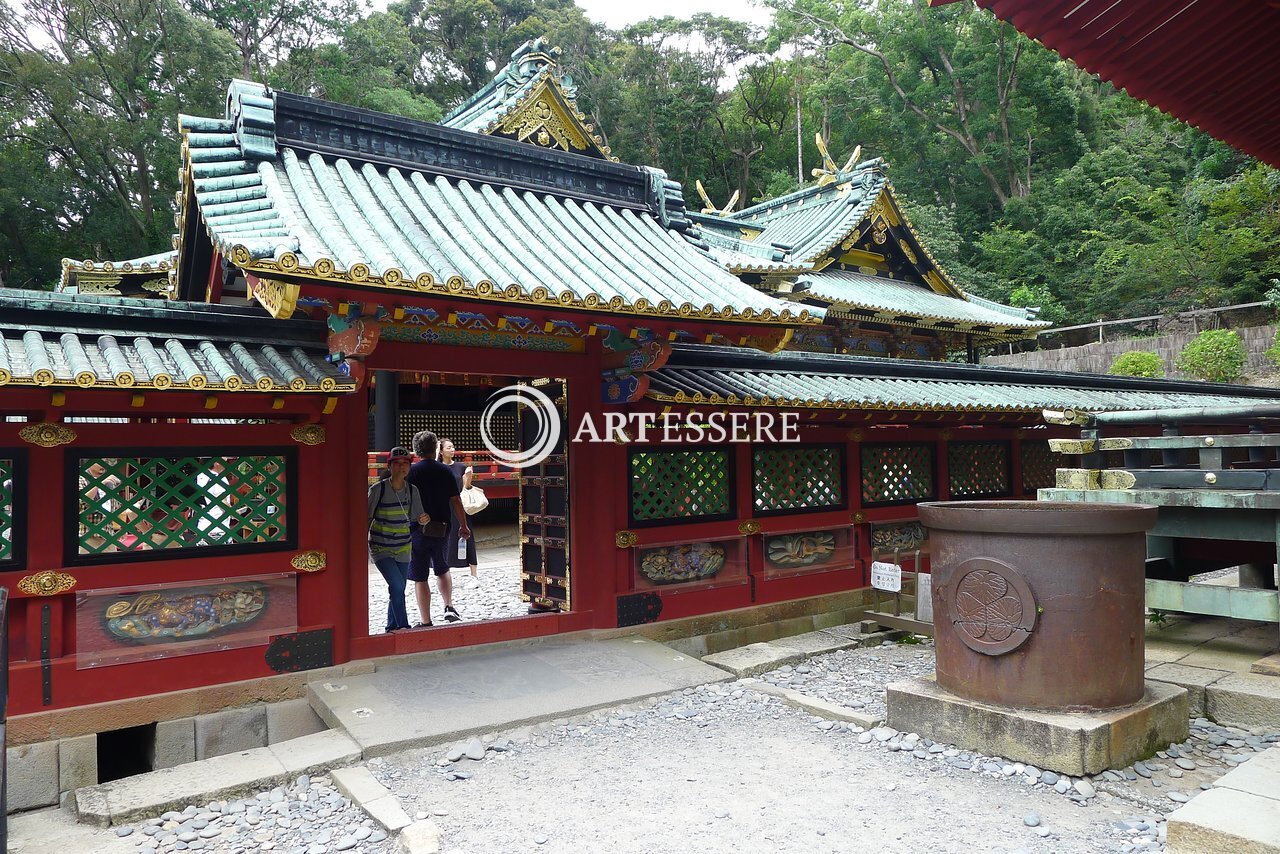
<point x="800" y="552"/>
<point x="702" y="564"/>
<point x="120" y="625"/>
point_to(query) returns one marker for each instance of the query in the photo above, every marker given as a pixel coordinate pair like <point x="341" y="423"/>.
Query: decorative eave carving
<point x="46" y="434"/>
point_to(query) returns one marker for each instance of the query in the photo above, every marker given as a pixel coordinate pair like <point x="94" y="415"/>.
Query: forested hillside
<point x="1031" y="181"/>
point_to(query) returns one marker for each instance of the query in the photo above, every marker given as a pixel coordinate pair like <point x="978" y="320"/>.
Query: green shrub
<point x="1137" y="363"/>
<point x="1273" y="352"/>
<point x="1216" y="355"/>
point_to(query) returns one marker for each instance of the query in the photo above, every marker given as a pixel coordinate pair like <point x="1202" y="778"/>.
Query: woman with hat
<point x="393" y="505"/>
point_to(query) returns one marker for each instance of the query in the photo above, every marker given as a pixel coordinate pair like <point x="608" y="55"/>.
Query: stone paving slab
<point x="816" y="706"/>
<point x="1227" y="821"/>
<point x="1259" y="776"/>
<point x="1236" y="652"/>
<point x="754" y="659"/>
<point x="438" y="699"/>
<point x="133" y="798"/>
<point x="226" y="776"/>
<point x="56" y="831"/>
<point x="817" y="643"/>
<point x="1269" y="666"/>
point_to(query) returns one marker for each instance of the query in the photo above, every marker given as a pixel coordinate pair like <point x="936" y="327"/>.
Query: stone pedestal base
<point x="1069" y="743"/>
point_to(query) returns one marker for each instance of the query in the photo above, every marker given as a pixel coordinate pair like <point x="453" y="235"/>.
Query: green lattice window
<point x="135" y="504"/>
<point x="9" y="485"/>
<point x="1038" y="465"/>
<point x="681" y="485"/>
<point x="978" y="468"/>
<point x="798" y="478"/>
<point x="897" y="474"/>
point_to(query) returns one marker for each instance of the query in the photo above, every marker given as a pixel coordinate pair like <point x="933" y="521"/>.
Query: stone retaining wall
<point x="1096" y="358"/>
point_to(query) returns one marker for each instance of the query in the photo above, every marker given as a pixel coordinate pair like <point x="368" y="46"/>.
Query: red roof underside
<point x="1212" y="63"/>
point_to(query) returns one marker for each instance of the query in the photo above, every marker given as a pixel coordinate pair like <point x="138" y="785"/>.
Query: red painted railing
<point x="497" y="480"/>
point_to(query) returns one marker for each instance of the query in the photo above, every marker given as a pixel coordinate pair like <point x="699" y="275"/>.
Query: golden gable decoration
<point x="544" y="119"/>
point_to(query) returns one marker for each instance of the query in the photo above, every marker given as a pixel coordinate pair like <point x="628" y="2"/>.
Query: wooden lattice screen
<point x="978" y="469"/>
<point x="897" y="474"/>
<point x="462" y="426"/>
<point x="798" y="478"/>
<point x="1038" y="465"/>
<point x="8" y="476"/>
<point x="692" y="484"/>
<point x="137" y="504"/>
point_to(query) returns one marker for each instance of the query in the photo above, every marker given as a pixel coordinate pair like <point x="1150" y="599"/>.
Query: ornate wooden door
<point x="544" y="512"/>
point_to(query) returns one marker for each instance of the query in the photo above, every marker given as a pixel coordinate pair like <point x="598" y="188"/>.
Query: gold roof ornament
<point x="828" y="173"/>
<point x="709" y="206"/>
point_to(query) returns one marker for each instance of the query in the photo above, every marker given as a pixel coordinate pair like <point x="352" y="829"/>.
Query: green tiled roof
<point x="812" y="221"/>
<point x="148" y="267"/>
<point x="64" y="340"/>
<point x="849" y="290"/>
<point x="720" y="376"/>
<point x="274" y="208"/>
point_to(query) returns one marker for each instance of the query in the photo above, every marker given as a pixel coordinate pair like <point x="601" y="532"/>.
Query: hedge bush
<point x="1273" y="352"/>
<point x="1137" y="363"/>
<point x="1216" y="355"/>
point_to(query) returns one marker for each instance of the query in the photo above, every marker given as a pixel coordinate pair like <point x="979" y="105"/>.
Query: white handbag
<point x="473" y="500"/>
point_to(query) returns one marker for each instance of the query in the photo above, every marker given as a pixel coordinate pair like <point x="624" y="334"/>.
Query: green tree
<point x="268" y="31"/>
<point x="990" y="99"/>
<point x="461" y="43"/>
<point x="373" y="67"/>
<point x="90" y="92"/>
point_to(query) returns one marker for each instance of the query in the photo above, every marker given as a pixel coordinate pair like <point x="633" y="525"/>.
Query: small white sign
<point x="924" y="597"/>
<point x="886" y="576"/>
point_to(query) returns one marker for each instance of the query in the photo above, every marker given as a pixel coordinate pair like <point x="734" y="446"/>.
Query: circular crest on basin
<point x="992" y="607"/>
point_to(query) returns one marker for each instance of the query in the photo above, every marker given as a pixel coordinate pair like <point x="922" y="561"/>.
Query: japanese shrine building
<point x="183" y="499"/>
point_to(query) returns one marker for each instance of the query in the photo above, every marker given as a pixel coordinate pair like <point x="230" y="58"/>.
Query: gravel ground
<point x="855" y="678"/>
<point x="494" y="595"/>
<point x="724" y="768"/>
<point x="307" y="817"/>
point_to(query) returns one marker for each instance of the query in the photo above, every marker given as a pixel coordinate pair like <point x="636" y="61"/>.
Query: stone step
<point x="234" y="774"/>
<point x="1245" y="699"/>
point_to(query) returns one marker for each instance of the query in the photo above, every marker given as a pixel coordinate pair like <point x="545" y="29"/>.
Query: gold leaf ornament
<point x="46" y="434"/>
<point x="48" y="582"/>
<point x="308" y="434"/>
<point x="312" y="561"/>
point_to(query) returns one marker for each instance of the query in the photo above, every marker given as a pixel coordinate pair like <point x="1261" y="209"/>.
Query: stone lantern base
<point x="1075" y="743"/>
